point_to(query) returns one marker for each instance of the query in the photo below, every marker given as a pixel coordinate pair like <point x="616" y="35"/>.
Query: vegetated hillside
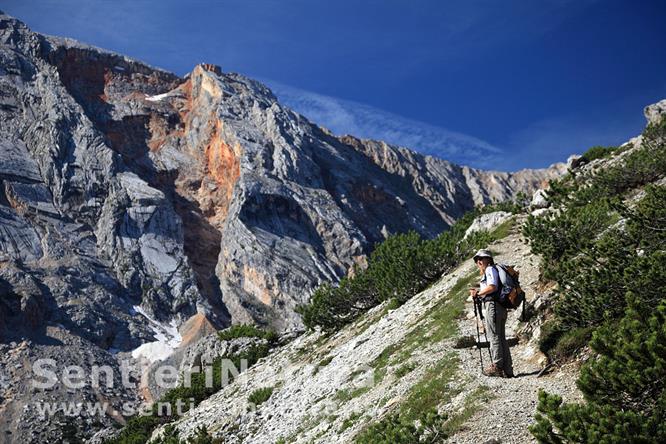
<point x="603" y="242"/>
<point x="393" y="365"/>
<point x="140" y="210"/>
<point x="396" y="373"/>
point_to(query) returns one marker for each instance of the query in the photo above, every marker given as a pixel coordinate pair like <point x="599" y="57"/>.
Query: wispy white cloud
<point x="349" y="117"/>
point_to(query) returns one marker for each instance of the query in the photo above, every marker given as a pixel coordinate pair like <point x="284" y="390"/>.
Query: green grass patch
<point x="345" y="395"/>
<point x="479" y="396"/>
<point x="417" y="420"/>
<point x="561" y="343"/>
<point x="504" y="229"/>
<point x="438" y="324"/>
<point x="442" y="322"/>
<point x="570" y="342"/>
<point x="405" y="369"/>
<point x="433" y="389"/>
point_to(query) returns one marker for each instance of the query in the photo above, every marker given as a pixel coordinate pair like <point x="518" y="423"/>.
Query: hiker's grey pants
<point x="495" y="326"/>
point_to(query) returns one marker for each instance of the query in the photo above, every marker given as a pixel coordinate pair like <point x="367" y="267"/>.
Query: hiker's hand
<point x="474" y="292"/>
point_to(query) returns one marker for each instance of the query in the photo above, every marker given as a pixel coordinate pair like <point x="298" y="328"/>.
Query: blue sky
<point x="494" y="84"/>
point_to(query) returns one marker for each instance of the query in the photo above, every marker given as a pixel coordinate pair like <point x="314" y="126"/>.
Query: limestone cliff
<point x="202" y="193"/>
<point x="132" y="199"/>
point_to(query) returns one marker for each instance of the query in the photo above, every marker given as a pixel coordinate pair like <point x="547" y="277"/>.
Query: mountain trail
<point x="511" y="402"/>
<point x="330" y="388"/>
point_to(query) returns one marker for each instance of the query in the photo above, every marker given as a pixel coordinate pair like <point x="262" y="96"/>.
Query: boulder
<point x="655" y="112"/>
<point x="539" y="212"/>
<point x="539" y="199"/>
<point x="488" y="222"/>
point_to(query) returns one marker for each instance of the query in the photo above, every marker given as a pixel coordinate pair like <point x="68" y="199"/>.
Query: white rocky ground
<point x="324" y="391"/>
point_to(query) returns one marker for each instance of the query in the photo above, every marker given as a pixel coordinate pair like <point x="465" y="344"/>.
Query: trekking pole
<point x="485" y="335"/>
<point x="478" y="335"/>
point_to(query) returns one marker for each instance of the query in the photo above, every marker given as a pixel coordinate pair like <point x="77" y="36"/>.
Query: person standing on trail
<point x="496" y="315"/>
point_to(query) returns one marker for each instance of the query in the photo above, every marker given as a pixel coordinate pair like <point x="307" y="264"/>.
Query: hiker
<point x="496" y="315"/>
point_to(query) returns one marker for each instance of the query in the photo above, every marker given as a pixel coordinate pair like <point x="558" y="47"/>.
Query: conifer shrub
<point x="401" y="429"/>
<point x="400" y="267"/>
<point x="247" y="331"/>
<point x="598" y="152"/>
<point x="591" y="244"/>
<point x="623" y="388"/>
<point x="260" y="395"/>
<point x="610" y="288"/>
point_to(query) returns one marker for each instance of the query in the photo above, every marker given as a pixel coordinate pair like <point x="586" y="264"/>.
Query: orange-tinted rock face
<point x="203" y="186"/>
<point x="254" y="282"/>
<point x="141" y="112"/>
<point x="211" y="180"/>
<point x="194" y="329"/>
<point x="223" y="166"/>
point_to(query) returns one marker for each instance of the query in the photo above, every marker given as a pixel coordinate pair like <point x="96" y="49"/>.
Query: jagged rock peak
<point x="203" y="193"/>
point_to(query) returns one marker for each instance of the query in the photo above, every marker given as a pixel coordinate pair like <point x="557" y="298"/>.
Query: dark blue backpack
<point x="510" y="295"/>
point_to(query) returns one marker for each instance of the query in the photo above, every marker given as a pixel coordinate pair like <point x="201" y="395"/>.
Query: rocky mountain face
<point x="332" y="387"/>
<point x="200" y="193"/>
<point x="329" y="388"/>
<point x="132" y="199"/>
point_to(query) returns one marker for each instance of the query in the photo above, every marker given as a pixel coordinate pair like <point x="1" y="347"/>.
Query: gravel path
<point x="511" y="410"/>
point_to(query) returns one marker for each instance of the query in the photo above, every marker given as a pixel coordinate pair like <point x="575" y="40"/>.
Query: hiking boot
<point x="494" y="371"/>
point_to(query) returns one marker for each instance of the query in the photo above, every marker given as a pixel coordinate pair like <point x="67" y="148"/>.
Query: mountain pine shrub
<point x="400" y="429"/>
<point x="611" y="285"/>
<point x="400" y="267"/>
<point x="598" y="152"/>
<point x="623" y="388"/>
<point x="247" y="331"/>
<point x="260" y="395"/>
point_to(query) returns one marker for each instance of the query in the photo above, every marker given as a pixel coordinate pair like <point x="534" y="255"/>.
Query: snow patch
<point x="157" y="98"/>
<point x="167" y="335"/>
